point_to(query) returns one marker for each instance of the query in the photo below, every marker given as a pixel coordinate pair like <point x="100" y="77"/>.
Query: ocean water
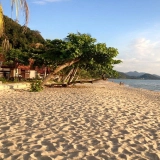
<point x="153" y="85"/>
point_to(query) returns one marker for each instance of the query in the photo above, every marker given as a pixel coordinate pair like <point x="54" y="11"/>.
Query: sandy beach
<point x="99" y="121"/>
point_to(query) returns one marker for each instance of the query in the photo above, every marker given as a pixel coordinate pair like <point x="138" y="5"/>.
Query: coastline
<point x="102" y="120"/>
<point x="148" y="84"/>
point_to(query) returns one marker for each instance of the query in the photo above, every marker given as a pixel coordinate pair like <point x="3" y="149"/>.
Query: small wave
<point x="141" y="84"/>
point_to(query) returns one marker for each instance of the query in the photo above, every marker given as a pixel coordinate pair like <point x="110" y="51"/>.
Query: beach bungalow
<point x="4" y="70"/>
<point x="17" y="70"/>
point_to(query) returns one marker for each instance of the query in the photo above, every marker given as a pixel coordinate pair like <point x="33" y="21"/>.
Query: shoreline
<point x="102" y="120"/>
<point x="133" y="85"/>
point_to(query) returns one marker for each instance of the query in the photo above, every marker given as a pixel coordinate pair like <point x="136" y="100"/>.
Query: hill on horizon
<point x="138" y="75"/>
<point x="149" y="76"/>
<point x="19" y="39"/>
<point x="135" y="73"/>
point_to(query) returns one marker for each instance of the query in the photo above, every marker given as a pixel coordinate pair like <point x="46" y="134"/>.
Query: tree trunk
<point x="72" y="75"/>
<point x="59" y="78"/>
<point x="77" y="78"/>
<point x="45" y="72"/>
<point x="66" y="78"/>
<point x="59" y="68"/>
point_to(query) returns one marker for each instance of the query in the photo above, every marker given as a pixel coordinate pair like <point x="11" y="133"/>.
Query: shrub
<point x="36" y="86"/>
<point x="3" y="80"/>
<point x="15" y="80"/>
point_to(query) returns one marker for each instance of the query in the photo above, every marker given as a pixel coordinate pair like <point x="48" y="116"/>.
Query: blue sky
<point x="131" y="26"/>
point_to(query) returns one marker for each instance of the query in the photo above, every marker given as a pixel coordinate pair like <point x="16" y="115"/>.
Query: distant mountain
<point x="156" y="75"/>
<point x="134" y="73"/>
<point x="123" y="75"/>
<point x="137" y="75"/>
<point x="149" y="76"/>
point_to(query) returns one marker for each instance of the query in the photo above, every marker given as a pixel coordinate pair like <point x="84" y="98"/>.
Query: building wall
<point x="32" y="74"/>
<point x="25" y="74"/>
<point x="5" y="72"/>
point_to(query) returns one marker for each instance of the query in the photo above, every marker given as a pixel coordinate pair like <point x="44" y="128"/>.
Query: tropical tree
<point x="17" y="55"/>
<point x="79" y="49"/>
<point x="17" y="38"/>
<point x="19" y="5"/>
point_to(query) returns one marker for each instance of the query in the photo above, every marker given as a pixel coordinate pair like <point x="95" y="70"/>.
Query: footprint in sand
<point x="36" y="147"/>
<point x="5" y="128"/>
<point x="7" y="143"/>
<point x="153" y="156"/>
<point x="50" y="146"/>
<point x="81" y="147"/>
<point x="116" y="148"/>
<point x="122" y="156"/>
<point x="92" y="158"/>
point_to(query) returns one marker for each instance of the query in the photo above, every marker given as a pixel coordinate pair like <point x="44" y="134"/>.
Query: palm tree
<point x="19" y="4"/>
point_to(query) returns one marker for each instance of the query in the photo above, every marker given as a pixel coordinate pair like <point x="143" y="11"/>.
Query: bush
<point x="15" y="80"/>
<point x="36" y="86"/>
<point x="3" y="80"/>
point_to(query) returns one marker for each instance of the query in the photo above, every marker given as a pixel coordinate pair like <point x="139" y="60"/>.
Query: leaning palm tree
<point x="19" y="4"/>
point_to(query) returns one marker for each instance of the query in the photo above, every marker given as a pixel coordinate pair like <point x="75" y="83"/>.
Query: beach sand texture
<point x="101" y="121"/>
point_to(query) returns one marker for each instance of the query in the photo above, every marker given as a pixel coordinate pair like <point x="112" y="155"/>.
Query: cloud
<point x="145" y="49"/>
<point x="141" y="55"/>
<point x="41" y="2"/>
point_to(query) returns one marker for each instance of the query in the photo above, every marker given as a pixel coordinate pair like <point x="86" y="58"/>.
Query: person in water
<point x="121" y="83"/>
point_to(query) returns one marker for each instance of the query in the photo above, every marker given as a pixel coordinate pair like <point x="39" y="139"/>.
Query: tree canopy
<point x="79" y="49"/>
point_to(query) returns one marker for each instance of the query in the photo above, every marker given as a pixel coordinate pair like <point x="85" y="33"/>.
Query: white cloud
<point x="47" y="1"/>
<point x="141" y="55"/>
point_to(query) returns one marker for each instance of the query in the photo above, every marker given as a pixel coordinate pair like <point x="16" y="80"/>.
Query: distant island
<point x="138" y="75"/>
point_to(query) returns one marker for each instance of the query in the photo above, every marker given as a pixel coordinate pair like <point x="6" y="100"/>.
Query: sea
<point x="153" y="85"/>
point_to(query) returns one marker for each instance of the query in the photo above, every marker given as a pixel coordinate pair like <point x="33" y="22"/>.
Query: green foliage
<point x="79" y="45"/>
<point x="3" y="80"/>
<point x="83" y="74"/>
<point x="15" y="80"/>
<point x="16" y="36"/>
<point x="36" y="86"/>
<point x="16" y="55"/>
<point x="95" y="58"/>
<point x="21" y="45"/>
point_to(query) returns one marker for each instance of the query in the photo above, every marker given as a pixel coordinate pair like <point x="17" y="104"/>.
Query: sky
<point x="131" y="26"/>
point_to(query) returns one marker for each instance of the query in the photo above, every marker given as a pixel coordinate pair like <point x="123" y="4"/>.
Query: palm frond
<point x="1" y="21"/>
<point x="21" y="4"/>
<point x="5" y="45"/>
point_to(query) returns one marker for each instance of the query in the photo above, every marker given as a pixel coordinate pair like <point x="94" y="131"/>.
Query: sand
<point x="97" y="121"/>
